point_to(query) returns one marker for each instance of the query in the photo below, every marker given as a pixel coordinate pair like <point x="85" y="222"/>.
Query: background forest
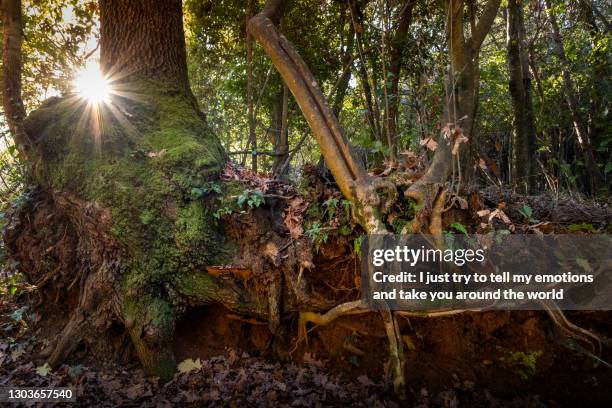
<point x="382" y="65"/>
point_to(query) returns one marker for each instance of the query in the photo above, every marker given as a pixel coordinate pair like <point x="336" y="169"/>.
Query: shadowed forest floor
<point x="317" y="379"/>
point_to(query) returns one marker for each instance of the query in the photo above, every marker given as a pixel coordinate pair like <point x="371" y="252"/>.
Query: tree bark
<point x="124" y="199"/>
<point x="143" y="39"/>
<point x="281" y="146"/>
<point x="371" y="113"/>
<point x="524" y="135"/>
<point x="347" y="61"/>
<point x="14" y="111"/>
<point x="580" y="126"/>
<point x="370" y="195"/>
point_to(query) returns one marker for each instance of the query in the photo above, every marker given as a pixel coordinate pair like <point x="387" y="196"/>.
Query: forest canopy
<point x="377" y="92"/>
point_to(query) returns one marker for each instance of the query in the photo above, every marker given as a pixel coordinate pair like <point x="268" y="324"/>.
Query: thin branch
<point x="484" y="23"/>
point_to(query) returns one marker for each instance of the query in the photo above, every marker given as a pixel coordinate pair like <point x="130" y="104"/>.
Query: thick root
<point x="324" y="319"/>
<point x="571" y="330"/>
<point x="396" y="353"/>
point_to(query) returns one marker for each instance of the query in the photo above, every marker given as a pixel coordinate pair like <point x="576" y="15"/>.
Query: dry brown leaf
<point x="483" y="213"/>
<point x="293" y="216"/>
<point x="459" y="138"/>
<point x="429" y="143"/>
<point x="157" y="154"/>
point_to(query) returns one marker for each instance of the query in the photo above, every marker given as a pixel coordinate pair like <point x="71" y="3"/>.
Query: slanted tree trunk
<point x="580" y="125"/>
<point x="524" y="135"/>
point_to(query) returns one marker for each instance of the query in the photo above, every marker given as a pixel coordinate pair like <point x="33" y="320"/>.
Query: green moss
<point x="197" y="285"/>
<point x="148" y="310"/>
<point x="141" y="166"/>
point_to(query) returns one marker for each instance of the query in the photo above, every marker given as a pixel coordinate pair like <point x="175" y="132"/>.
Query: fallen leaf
<point x="460" y="138"/>
<point x="157" y="154"/>
<point x="135" y="391"/>
<point x="483" y="213"/>
<point x="429" y="143"/>
<point x="293" y="216"/>
<point x="43" y="370"/>
<point x="189" y="365"/>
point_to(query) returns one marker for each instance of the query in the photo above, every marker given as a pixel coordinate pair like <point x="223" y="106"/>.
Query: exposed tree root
<point x="571" y="330"/>
<point x="437" y="313"/>
<point x="396" y="353"/>
<point x="348" y="308"/>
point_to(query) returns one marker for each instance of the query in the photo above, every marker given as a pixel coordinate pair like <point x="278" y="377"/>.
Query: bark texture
<point x="143" y="39"/>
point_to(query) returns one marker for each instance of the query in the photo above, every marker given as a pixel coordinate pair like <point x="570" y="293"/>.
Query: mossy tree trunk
<point x="121" y="209"/>
<point x="121" y="218"/>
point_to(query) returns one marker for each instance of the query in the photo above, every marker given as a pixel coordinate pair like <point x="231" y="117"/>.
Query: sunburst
<point x="91" y="85"/>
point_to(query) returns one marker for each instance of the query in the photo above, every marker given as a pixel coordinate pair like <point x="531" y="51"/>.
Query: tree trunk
<point x="143" y="39"/>
<point x="249" y="93"/>
<point x="523" y="138"/>
<point x="347" y="62"/>
<point x="123" y="218"/>
<point x="600" y="68"/>
<point x="580" y="126"/>
<point x="393" y="74"/>
<point x="371" y="114"/>
<point x="281" y="145"/>
<point x="461" y="100"/>
<point x="125" y="200"/>
<point x="14" y="111"/>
